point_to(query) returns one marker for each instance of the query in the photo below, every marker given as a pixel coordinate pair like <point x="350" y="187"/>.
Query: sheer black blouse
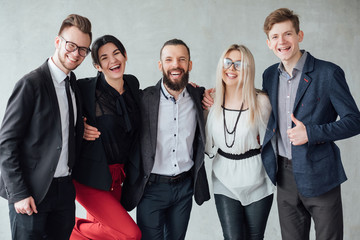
<point x="118" y="120"/>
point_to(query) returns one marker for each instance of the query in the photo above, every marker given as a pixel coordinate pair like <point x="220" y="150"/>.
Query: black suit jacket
<point x="92" y="167"/>
<point x="30" y="137"/>
<point x="149" y="109"/>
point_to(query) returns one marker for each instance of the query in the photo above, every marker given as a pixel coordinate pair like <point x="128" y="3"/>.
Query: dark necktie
<point x="71" y="141"/>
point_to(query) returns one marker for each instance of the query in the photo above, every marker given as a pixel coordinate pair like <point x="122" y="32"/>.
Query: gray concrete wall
<point x="331" y="27"/>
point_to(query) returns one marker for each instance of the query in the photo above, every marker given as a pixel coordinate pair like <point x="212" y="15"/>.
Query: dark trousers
<point x="296" y="211"/>
<point x="55" y="218"/>
<point x="243" y="222"/>
<point x="164" y="210"/>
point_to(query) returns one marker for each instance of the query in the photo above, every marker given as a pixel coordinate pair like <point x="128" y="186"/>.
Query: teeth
<point x="231" y="75"/>
<point x="71" y="59"/>
<point x="176" y="73"/>
<point x="114" y="67"/>
<point x="284" y="48"/>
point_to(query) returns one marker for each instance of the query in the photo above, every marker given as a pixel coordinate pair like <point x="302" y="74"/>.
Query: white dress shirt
<point x="175" y="134"/>
<point x="58" y="77"/>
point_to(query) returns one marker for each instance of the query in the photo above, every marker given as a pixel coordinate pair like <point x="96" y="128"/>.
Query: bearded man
<point x="172" y="150"/>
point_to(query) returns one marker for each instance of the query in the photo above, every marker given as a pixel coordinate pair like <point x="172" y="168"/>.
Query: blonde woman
<point x="235" y="128"/>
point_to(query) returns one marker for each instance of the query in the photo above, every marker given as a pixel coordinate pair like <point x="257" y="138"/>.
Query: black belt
<point x="156" y="178"/>
<point x="62" y="179"/>
<point x="284" y="160"/>
<point x="250" y="153"/>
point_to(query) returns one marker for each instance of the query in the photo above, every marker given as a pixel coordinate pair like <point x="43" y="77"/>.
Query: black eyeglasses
<point x="72" y="47"/>
<point x="228" y="62"/>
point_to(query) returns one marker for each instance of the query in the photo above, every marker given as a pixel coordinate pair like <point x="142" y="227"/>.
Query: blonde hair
<point x="246" y="82"/>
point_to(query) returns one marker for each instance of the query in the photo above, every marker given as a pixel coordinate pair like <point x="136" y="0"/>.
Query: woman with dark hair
<point x="111" y="104"/>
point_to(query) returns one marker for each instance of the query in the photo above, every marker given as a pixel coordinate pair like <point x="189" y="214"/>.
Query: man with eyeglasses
<point x="40" y="131"/>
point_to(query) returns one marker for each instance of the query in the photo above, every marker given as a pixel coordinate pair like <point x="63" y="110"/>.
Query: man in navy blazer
<point x="307" y="95"/>
<point x="38" y="138"/>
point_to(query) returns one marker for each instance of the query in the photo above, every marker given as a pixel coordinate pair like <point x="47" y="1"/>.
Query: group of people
<point x="114" y="147"/>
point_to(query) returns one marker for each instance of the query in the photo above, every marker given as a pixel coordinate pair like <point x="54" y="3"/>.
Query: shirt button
<point x="174" y="135"/>
<point x="173" y="150"/>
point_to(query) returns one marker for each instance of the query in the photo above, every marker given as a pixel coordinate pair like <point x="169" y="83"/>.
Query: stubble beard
<point x="62" y="59"/>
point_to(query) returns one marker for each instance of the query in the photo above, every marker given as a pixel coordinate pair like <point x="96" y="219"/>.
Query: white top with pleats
<point x="243" y="180"/>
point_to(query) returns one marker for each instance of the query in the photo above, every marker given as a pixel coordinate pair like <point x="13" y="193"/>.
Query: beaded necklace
<point x="226" y="130"/>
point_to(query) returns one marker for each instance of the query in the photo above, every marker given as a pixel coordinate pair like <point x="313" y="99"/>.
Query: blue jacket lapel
<point x="305" y="80"/>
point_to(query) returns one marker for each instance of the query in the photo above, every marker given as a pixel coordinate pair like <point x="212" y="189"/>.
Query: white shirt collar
<point x="167" y="95"/>
<point x="57" y="74"/>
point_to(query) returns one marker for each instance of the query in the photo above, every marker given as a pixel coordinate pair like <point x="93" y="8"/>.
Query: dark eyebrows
<point x="104" y="55"/>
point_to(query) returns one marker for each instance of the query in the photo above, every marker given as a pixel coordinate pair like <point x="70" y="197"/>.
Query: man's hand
<point x="90" y="133"/>
<point x="26" y="206"/>
<point x="297" y="134"/>
<point x="208" y="98"/>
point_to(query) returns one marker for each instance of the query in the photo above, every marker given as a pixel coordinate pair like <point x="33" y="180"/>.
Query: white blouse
<point x="244" y="180"/>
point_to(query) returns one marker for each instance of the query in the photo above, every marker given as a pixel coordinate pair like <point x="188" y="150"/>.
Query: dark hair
<point x="82" y="23"/>
<point x="101" y="41"/>
<point x="175" y="42"/>
<point x="281" y="15"/>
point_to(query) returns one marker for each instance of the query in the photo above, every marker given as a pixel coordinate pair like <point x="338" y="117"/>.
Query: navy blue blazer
<point x="322" y="96"/>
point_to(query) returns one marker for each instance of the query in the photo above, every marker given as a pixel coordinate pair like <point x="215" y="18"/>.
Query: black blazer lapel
<point x="197" y="97"/>
<point x="153" y="110"/>
<point x="49" y="85"/>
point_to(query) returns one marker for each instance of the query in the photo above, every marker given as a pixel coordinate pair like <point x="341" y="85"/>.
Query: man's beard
<point x="178" y="85"/>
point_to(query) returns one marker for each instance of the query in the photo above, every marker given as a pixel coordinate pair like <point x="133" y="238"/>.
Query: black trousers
<point x="164" y="210"/>
<point x="296" y="211"/>
<point x="55" y="218"/>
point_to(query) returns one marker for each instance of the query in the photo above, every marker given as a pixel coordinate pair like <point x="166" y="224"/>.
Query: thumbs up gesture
<point x="297" y="134"/>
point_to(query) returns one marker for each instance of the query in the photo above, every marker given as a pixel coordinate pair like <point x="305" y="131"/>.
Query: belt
<point x="250" y="153"/>
<point x="284" y="160"/>
<point x="156" y="178"/>
<point x="62" y="179"/>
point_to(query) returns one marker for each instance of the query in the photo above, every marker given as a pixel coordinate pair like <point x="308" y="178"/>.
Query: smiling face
<point x="284" y="41"/>
<point x="65" y="60"/>
<point x="112" y="62"/>
<point x="231" y="76"/>
<point x="175" y="65"/>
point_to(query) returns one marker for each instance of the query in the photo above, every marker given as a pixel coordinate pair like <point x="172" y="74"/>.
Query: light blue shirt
<point x="175" y="134"/>
<point x="287" y="92"/>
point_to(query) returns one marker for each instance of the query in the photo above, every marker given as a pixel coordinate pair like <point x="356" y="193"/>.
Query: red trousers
<point x="106" y="218"/>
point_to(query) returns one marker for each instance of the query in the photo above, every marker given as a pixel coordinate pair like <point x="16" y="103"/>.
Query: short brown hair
<point x="281" y="15"/>
<point x="175" y="42"/>
<point x="82" y="23"/>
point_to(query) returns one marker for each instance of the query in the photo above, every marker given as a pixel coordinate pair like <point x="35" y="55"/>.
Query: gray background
<point x="331" y="27"/>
